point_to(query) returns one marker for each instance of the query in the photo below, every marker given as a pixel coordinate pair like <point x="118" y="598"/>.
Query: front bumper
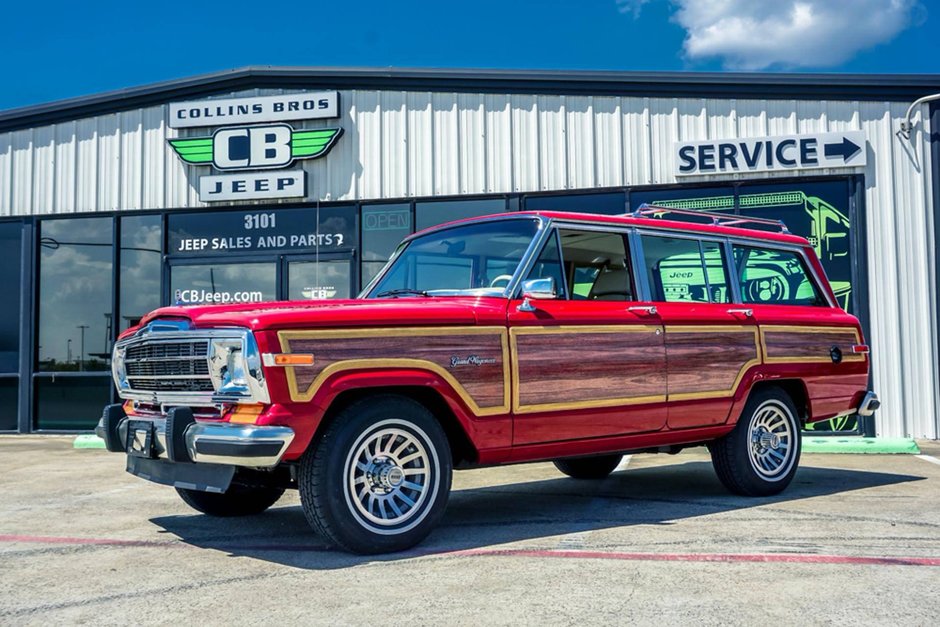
<point x="250" y="446"/>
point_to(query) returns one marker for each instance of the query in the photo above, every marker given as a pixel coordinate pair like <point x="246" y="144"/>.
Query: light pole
<point x="81" y="355"/>
<point x="68" y="351"/>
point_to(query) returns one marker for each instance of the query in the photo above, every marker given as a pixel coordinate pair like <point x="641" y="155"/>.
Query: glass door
<point x="309" y="277"/>
<point x="223" y="281"/>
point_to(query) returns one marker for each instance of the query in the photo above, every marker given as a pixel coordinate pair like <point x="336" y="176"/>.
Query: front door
<point x="711" y="343"/>
<point x="590" y="363"/>
<point x="251" y="279"/>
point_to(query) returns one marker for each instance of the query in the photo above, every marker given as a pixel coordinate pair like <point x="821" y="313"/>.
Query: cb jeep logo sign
<point x="253" y="135"/>
<point x="255" y="147"/>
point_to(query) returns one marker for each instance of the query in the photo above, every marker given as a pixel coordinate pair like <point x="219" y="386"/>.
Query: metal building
<point x="114" y="204"/>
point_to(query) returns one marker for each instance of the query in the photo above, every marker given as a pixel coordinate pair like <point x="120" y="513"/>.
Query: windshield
<point x="475" y="259"/>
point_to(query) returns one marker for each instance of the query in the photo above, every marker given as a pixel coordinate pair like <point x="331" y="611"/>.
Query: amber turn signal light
<point x="293" y="359"/>
<point x="246" y="414"/>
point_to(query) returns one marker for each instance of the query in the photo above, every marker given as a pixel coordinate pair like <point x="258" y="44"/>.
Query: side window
<point x="685" y="270"/>
<point x="548" y="265"/>
<point x="775" y="277"/>
<point x="593" y="265"/>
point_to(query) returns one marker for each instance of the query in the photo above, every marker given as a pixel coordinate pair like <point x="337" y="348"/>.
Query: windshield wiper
<point x="402" y="292"/>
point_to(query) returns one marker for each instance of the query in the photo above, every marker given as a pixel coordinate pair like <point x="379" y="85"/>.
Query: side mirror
<point x="537" y="289"/>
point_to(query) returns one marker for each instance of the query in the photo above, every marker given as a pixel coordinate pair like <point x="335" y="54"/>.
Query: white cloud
<point x="759" y="34"/>
<point x="631" y="6"/>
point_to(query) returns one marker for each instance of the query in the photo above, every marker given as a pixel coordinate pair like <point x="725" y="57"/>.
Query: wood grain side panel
<point x="571" y="369"/>
<point x="802" y="344"/>
<point x="708" y="362"/>
<point x="482" y="380"/>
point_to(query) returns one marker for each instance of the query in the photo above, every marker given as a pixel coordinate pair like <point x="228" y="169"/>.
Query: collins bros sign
<point x="254" y="137"/>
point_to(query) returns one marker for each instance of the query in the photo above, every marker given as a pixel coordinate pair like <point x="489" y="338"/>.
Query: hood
<point x="440" y="311"/>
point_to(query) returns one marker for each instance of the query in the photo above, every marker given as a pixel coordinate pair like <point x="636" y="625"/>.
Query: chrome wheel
<point x="772" y="431"/>
<point x="392" y="472"/>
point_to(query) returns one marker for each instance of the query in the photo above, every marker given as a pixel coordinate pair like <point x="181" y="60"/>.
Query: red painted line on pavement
<point x="85" y="541"/>
<point x="789" y="558"/>
<point x="795" y="558"/>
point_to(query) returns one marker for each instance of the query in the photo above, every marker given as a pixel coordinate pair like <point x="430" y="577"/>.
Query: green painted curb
<point x="88" y="441"/>
<point x="855" y="445"/>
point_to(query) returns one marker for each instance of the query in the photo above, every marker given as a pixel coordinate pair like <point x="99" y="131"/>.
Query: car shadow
<point x="486" y="516"/>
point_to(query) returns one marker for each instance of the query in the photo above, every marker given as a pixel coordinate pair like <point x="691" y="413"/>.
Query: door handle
<point x="648" y="310"/>
<point x="747" y="313"/>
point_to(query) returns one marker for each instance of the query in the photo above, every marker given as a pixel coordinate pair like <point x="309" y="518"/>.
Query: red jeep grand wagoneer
<point x="511" y="338"/>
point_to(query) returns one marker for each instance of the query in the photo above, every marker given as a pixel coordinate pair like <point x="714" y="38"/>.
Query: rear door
<point x="591" y="362"/>
<point x="710" y="343"/>
<point x="804" y="333"/>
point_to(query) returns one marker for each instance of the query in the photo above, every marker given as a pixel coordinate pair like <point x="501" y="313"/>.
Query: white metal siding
<point x="416" y="144"/>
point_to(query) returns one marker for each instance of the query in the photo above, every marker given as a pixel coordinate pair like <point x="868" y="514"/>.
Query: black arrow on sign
<point x="846" y="148"/>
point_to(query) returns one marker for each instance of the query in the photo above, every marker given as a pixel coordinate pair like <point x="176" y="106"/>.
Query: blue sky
<point x="58" y="50"/>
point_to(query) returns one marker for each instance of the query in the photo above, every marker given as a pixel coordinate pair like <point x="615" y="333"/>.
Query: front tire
<point x="379" y="478"/>
<point x="236" y="501"/>
<point x="588" y="467"/>
<point x="761" y="455"/>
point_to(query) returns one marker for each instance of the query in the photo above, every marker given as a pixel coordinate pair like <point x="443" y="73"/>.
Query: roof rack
<point x="718" y="219"/>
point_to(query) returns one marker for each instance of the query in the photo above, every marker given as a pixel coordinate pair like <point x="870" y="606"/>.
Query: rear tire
<point x="761" y="455"/>
<point x="588" y="467"/>
<point x="378" y="479"/>
<point x="236" y="501"/>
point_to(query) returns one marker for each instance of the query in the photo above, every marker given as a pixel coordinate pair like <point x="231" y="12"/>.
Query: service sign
<point x="303" y="106"/>
<point x="771" y="154"/>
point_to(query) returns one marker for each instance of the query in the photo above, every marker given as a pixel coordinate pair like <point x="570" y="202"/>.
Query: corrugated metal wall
<point x="404" y="144"/>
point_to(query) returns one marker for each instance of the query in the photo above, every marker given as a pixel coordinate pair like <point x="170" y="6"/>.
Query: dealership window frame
<point x="513" y="202"/>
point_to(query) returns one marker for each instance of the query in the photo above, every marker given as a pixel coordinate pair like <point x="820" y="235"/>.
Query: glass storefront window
<point x="75" y="288"/>
<point x="383" y="228"/>
<point x="608" y="204"/>
<point x="263" y="230"/>
<point x="10" y="267"/>
<point x="696" y="198"/>
<point x="428" y="214"/>
<point x="820" y="213"/>
<point x="9" y="389"/>
<point x="219" y="283"/>
<point x="70" y="402"/>
<point x="308" y="280"/>
<point x="141" y="265"/>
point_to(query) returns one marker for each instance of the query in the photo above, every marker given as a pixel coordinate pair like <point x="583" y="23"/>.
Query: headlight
<point x="118" y="371"/>
<point x="235" y="368"/>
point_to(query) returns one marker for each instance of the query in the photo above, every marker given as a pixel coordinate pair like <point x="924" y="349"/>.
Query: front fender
<point x="492" y="430"/>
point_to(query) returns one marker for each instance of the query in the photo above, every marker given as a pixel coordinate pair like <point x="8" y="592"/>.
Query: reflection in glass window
<point x="679" y="271"/>
<point x="429" y="214"/>
<point x="701" y="198"/>
<point x="310" y="280"/>
<point x="383" y="228"/>
<point x="72" y="403"/>
<point x="608" y="204"/>
<point x="775" y="277"/>
<point x="223" y="283"/>
<point x="9" y="389"/>
<point x="75" y="283"/>
<point x="141" y="264"/>
<point x="818" y="211"/>
<point x="10" y="266"/>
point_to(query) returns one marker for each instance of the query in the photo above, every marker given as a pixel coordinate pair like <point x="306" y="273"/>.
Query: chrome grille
<point x="168" y="366"/>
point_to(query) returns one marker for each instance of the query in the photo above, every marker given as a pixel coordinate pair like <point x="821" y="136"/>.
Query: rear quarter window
<point x="775" y="277"/>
